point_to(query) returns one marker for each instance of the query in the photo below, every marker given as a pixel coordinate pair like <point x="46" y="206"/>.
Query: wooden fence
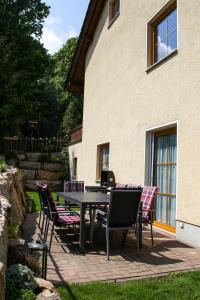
<point x="21" y="145"/>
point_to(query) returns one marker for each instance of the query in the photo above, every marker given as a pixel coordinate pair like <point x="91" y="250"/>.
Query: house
<point x="137" y="65"/>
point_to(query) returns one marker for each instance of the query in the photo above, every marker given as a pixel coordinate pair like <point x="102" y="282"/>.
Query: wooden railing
<point x="10" y="144"/>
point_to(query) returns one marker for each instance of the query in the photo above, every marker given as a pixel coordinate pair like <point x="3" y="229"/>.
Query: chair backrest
<point x="107" y="179"/>
<point x="123" y="208"/>
<point x="73" y="186"/>
<point x="147" y="198"/>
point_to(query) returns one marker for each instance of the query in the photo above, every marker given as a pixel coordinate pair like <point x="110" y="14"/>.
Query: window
<point x="161" y="166"/>
<point x="164" y="34"/>
<point x="114" y="8"/>
<point x="102" y="159"/>
<point x="74" y="168"/>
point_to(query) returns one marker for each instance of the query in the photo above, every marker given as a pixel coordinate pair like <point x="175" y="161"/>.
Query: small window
<point x="164" y="34"/>
<point x="114" y="8"/>
<point x="102" y="159"/>
<point x="74" y="168"/>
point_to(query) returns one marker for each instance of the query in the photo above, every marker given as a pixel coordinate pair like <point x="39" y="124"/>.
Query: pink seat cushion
<point x="69" y="219"/>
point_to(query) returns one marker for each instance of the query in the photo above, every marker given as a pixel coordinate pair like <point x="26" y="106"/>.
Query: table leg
<point x="82" y="227"/>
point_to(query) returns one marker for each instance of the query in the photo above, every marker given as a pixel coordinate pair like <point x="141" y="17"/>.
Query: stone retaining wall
<point x="43" y="167"/>
<point x="12" y="212"/>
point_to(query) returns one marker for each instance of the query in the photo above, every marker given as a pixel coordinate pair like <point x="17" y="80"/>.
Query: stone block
<point x="46" y="175"/>
<point x="28" y="165"/>
<point x="37" y="157"/>
<point x="28" y="174"/>
<point x="53" y="167"/>
<point x="21" y="156"/>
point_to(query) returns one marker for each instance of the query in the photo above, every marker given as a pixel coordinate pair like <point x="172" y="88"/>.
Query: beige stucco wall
<point x="122" y="100"/>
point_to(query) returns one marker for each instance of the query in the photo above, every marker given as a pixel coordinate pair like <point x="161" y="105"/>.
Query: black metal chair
<point x="123" y="213"/>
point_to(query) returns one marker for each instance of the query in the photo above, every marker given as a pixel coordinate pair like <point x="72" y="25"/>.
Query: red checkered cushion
<point x="74" y="186"/>
<point x="148" y="196"/>
<point x="68" y="219"/>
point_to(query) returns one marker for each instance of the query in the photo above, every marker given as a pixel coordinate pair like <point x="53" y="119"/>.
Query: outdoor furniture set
<point x="119" y="207"/>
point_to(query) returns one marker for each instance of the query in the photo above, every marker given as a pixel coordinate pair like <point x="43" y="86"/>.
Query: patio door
<point x="164" y="176"/>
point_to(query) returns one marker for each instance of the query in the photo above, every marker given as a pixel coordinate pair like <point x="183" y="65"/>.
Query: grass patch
<point x="35" y="199"/>
<point x="176" y="286"/>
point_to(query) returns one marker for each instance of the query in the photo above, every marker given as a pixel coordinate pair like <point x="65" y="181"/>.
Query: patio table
<point x="84" y="199"/>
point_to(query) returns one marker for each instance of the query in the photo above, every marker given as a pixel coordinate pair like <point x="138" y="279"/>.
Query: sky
<point x="64" y="21"/>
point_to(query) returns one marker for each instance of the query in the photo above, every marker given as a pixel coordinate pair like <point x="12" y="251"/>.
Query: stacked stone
<point x="13" y="209"/>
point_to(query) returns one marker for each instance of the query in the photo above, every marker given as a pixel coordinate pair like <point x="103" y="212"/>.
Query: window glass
<point x="165" y="36"/>
<point x="102" y="159"/>
<point x="172" y="21"/>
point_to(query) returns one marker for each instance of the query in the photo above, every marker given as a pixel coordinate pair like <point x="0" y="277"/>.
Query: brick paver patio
<point x="67" y="264"/>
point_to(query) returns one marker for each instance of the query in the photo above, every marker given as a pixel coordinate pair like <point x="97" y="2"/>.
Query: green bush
<point x="26" y="294"/>
<point x="3" y="165"/>
<point x="12" y="293"/>
<point x="22" y="277"/>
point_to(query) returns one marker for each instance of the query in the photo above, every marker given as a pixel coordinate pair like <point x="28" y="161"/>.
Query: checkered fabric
<point x="120" y="186"/>
<point x="148" y="196"/>
<point x="133" y="186"/>
<point x="74" y="186"/>
<point x="69" y="219"/>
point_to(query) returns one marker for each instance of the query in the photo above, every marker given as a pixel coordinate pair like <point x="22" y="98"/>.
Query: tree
<point x="23" y="61"/>
<point x="71" y="106"/>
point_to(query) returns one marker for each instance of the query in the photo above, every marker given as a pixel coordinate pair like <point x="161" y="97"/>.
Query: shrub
<point x="22" y="276"/>
<point x="3" y="165"/>
<point x="26" y="294"/>
<point x="12" y="293"/>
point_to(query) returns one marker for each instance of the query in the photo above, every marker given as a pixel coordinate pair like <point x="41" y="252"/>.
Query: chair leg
<point x="46" y="231"/>
<point x="151" y="232"/>
<point x="39" y="219"/>
<point x="51" y="234"/>
<point x="107" y="242"/>
<point x="92" y="219"/>
<point x="124" y="236"/>
<point x="43" y="221"/>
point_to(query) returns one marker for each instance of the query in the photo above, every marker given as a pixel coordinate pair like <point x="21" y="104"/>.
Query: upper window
<point x="164" y="34"/>
<point x="114" y="8"/>
<point x="102" y="159"/>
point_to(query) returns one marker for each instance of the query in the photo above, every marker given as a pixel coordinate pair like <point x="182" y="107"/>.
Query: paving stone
<point x="72" y="267"/>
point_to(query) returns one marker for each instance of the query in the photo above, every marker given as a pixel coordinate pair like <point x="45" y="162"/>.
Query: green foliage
<point x="3" y="165"/>
<point x="32" y="82"/>
<point x="26" y="294"/>
<point x="13" y="230"/>
<point x="63" y="158"/>
<point x="71" y="106"/>
<point x="12" y="293"/>
<point x="23" y="61"/>
<point x="22" y="277"/>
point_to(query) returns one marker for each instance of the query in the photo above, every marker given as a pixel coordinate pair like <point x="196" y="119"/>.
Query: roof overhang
<point x="76" y="75"/>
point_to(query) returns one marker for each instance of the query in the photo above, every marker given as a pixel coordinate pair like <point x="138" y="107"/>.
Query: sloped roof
<point x="75" y="78"/>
